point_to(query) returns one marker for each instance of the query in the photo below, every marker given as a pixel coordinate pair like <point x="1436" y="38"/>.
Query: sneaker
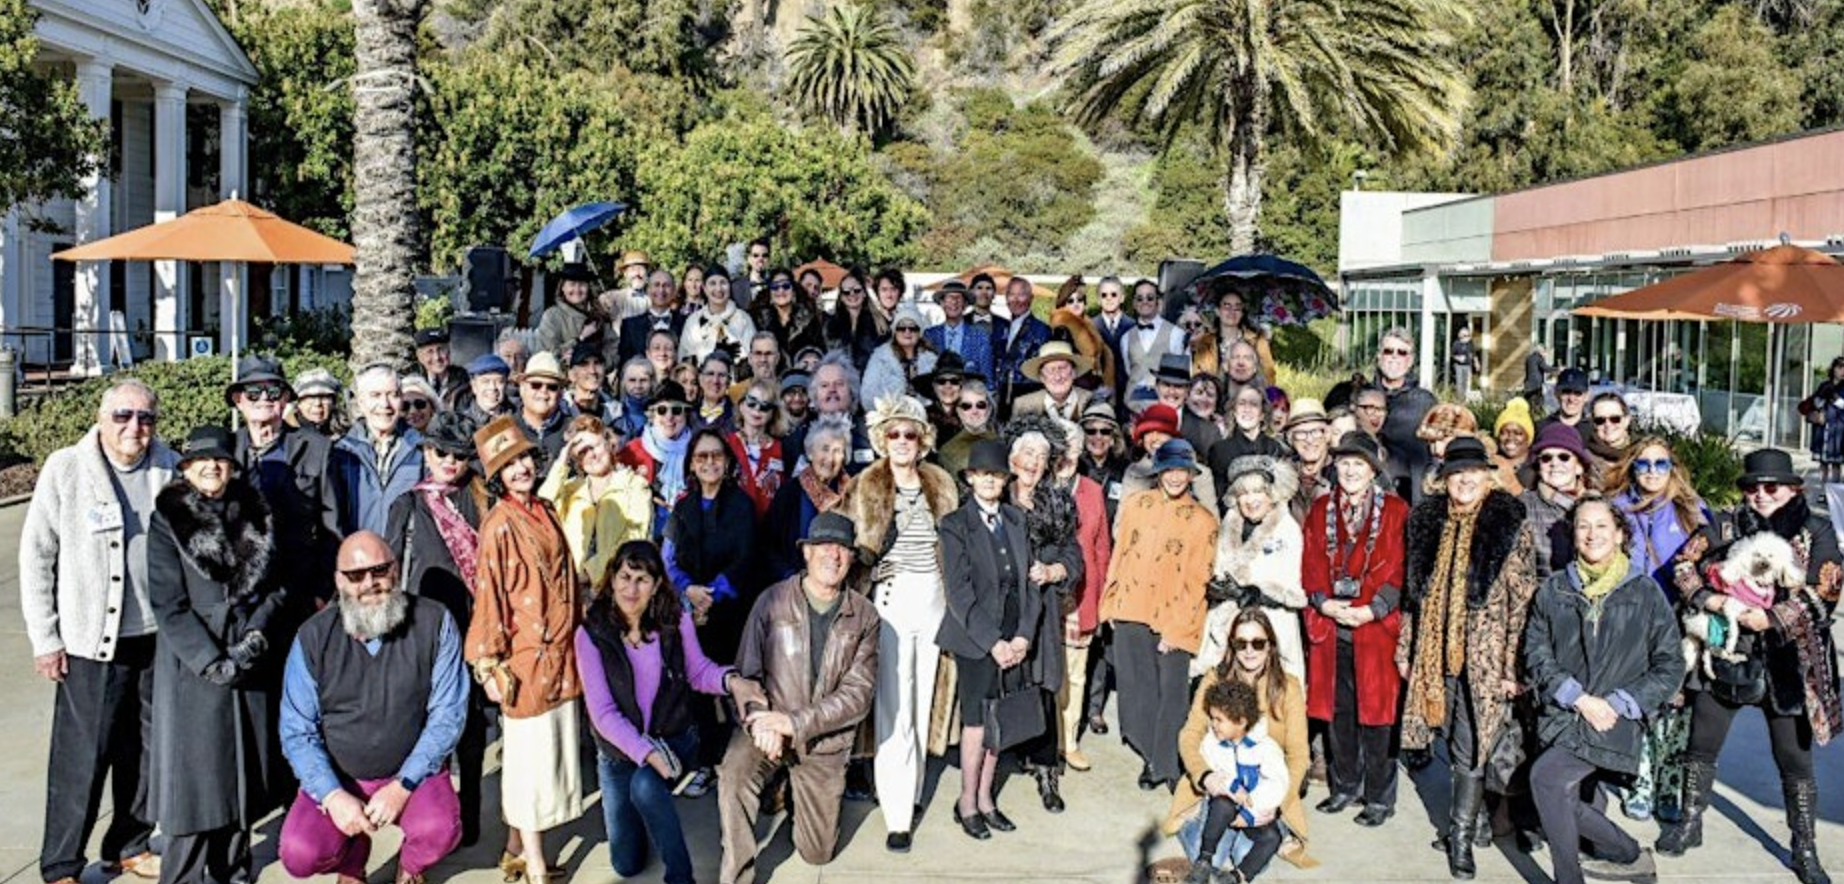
<point x="700" y="783"/>
<point x="1642" y="870"/>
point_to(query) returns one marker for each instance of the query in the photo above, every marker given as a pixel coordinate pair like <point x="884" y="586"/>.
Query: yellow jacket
<point x="596" y="527"/>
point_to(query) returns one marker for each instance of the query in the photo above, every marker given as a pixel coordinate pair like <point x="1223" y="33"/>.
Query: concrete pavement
<point x="1107" y="836"/>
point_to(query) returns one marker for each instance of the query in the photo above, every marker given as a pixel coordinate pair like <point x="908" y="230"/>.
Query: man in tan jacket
<point x="812" y="646"/>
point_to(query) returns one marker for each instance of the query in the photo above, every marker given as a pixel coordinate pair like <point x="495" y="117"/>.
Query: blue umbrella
<point x="573" y="223"/>
<point x="1275" y="291"/>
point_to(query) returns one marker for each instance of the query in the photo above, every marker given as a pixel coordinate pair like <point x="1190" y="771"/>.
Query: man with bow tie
<point x="659" y="316"/>
<point x="1149" y="337"/>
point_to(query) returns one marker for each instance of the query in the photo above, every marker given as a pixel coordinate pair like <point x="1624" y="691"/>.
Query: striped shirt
<point x="914" y="551"/>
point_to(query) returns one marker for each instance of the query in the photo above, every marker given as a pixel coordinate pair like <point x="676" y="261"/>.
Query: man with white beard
<point x="373" y="699"/>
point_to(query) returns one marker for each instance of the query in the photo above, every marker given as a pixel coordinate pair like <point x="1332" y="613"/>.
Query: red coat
<point x="1379" y="686"/>
<point x="760" y="483"/>
<point x="1097" y="548"/>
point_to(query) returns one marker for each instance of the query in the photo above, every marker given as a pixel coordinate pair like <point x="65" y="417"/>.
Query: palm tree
<point x="1381" y="70"/>
<point x="850" y="66"/>
<point x="384" y="215"/>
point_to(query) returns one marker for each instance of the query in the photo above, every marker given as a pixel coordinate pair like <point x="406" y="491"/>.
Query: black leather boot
<point x="1801" y="812"/>
<point x="1462" y="823"/>
<point x="1047" y="782"/>
<point x="1687" y="832"/>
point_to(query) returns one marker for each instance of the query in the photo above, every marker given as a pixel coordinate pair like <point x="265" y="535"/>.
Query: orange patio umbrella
<point x="830" y="274"/>
<point x="1785" y="284"/>
<point x="1001" y="277"/>
<point x="232" y="230"/>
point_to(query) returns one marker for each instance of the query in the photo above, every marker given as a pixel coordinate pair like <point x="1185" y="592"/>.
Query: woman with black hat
<point x="659" y="453"/>
<point x="993" y="606"/>
<point x="1471" y="576"/>
<point x="226" y="619"/>
<point x="940" y="387"/>
<point x="1784" y="660"/>
<point x="434" y="531"/>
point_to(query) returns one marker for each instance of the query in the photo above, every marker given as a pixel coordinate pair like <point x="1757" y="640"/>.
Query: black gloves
<point x="221" y="672"/>
<point x="247" y="649"/>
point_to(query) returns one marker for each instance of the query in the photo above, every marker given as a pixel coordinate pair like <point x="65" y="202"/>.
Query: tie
<point x="1147" y="326"/>
<point x="992" y="521"/>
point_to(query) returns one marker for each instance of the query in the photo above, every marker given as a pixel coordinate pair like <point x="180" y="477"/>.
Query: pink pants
<point x="431" y="822"/>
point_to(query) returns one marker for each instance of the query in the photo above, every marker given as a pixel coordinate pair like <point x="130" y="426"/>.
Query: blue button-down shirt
<point x="306" y="748"/>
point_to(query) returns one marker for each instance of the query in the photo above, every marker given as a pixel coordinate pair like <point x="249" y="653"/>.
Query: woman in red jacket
<point x="1352" y="571"/>
<point x="1097" y="544"/>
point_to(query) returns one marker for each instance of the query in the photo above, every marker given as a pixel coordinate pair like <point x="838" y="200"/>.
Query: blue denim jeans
<point x="637" y="808"/>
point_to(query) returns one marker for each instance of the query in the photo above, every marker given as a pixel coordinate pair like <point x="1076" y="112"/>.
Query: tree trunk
<point x="384" y="213"/>
<point x="1246" y="168"/>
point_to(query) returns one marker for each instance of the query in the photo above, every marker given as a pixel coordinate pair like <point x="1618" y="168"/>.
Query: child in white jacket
<point x="1247" y="780"/>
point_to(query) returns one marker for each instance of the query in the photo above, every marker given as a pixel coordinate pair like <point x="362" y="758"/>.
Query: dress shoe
<point x="142" y="865"/>
<point x="897" y="842"/>
<point x="1336" y="803"/>
<point x="1373" y="815"/>
<point x="1047" y="788"/>
<point x="974" y="824"/>
<point x="1097" y="724"/>
<point x="1642" y="870"/>
<point x="997" y="819"/>
<point x="1147" y="782"/>
<point x="1077" y="760"/>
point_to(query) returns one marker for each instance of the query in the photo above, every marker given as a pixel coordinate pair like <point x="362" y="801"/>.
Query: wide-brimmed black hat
<point x="668" y="392"/>
<point x="988" y="456"/>
<point x="1464" y="453"/>
<point x="426" y="336"/>
<point x="831" y="528"/>
<point x="576" y="271"/>
<point x="207" y="442"/>
<point x="451" y="431"/>
<point x="1769" y="465"/>
<point x="1174" y="368"/>
<point x="256" y="369"/>
<point x="948" y="365"/>
<point x="1358" y="443"/>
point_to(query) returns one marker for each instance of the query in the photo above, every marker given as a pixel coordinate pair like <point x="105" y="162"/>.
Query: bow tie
<point x="1147" y="326"/>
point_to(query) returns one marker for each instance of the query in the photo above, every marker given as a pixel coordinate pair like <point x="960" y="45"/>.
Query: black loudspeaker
<point x="470" y="337"/>
<point x="1174" y="275"/>
<point x="487" y="273"/>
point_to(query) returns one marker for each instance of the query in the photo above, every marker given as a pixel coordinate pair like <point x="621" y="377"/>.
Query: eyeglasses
<point x="1661" y="465"/>
<point x="445" y="454"/>
<point x="544" y="386"/>
<point x="1601" y="420"/>
<point x="973" y="406"/>
<point x="1768" y="488"/>
<point x="1108" y="294"/>
<point x="1397" y="351"/>
<point x="1097" y="431"/>
<point x="708" y="457"/>
<point x="263" y="392"/>
<point x="417" y="404"/>
<point x="122" y="416"/>
<point x="1249" y="644"/>
<point x="757" y="404"/>
<point x="375" y="572"/>
<point x="781" y="286"/>
<point x="670" y="410"/>
<point x="1313" y="433"/>
<point x="1555" y="457"/>
<point x="905" y="435"/>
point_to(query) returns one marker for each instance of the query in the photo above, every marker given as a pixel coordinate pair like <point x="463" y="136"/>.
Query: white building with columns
<point x="173" y="85"/>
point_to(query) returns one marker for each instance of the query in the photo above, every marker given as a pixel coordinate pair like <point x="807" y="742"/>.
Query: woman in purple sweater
<point x="640" y="663"/>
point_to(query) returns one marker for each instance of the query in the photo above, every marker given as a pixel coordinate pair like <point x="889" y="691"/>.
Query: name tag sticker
<point x="105" y="517"/>
<point x="1114" y="491"/>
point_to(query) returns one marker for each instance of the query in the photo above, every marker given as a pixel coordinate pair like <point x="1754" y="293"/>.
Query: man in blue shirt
<point x="373" y="700"/>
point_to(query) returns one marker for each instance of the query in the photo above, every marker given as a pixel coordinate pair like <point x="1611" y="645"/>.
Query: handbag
<point x="1015" y="715"/>
<point x="1740" y="682"/>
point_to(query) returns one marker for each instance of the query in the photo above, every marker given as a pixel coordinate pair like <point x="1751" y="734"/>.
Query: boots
<point x="1462" y="824"/>
<point x="1801" y="810"/>
<point x="1047" y="782"/>
<point x="1687" y="832"/>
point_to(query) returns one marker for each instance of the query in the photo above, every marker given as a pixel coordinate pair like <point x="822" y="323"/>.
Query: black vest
<point x="372" y="708"/>
<point x="671" y="705"/>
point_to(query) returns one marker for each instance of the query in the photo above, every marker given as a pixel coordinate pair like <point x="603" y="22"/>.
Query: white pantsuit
<point x="911" y="606"/>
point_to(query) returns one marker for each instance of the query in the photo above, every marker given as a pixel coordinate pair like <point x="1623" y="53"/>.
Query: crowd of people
<point x="707" y="536"/>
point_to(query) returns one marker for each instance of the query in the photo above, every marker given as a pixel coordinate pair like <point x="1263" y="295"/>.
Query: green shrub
<point x="327" y="330"/>
<point x="191" y="395"/>
<point x="1713" y="465"/>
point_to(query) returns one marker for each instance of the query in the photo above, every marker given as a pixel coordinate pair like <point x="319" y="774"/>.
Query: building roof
<point x="180" y="41"/>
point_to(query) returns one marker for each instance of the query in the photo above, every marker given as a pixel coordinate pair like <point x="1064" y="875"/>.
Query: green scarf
<point x="1598" y="581"/>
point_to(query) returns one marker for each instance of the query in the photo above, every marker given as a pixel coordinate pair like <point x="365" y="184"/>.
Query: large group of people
<point x="707" y="536"/>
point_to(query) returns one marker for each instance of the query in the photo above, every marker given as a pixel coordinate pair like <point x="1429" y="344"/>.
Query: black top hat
<point x="831" y="528"/>
<point x="256" y="369"/>
<point x="1769" y="465"/>
<point x="451" y="431"/>
<point x="583" y="352"/>
<point x="1358" y="443"/>
<point x="1464" y="453"/>
<point x="1174" y="368"/>
<point x="207" y="442"/>
<point x="427" y="336"/>
<point x="668" y="392"/>
<point x="576" y="271"/>
<point x="988" y="456"/>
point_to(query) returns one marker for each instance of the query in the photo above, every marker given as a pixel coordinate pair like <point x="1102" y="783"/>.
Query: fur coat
<point x="1269" y="562"/>
<point x="1088" y="342"/>
<point x="871" y="504"/>
<point x="1500" y="583"/>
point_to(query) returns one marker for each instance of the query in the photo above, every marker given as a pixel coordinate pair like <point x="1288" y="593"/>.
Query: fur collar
<point x="1501" y="518"/>
<point x="229" y="540"/>
<point x="871" y="501"/>
<point x="1787" y="521"/>
<point x="1052" y="517"/>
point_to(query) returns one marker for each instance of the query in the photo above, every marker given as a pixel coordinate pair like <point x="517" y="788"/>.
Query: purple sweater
<point x="704" y="676"/>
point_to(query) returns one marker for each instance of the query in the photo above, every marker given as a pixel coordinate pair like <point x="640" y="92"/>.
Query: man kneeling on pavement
<point x="373" y="699"/>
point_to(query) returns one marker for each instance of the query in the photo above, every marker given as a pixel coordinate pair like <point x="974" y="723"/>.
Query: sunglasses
<point x="1768" y="488"/>
<point x="263" y="392"/>
<point x="671" y="410"/>
<point x="757" y="404"/>
<point x="418" y="404"/>
<point x="850" y="291"/>
<point x="1249" y="644"/>
<point x="973" y="406"/>
<point x="375" y="572"/>
<point x="1097" y="431"/>
<point x="1555" y="457"/>
<point x="122" y="416"/>
<point x="782" y="286"/>
<point x="912" y="329"/>
<point x="445" y="454"/>
<point x="1396" y="351"/>
<point x="1661" y="465"/>
<point x="1601" y="420"/>
<point x="1111" y="294"/>
<point x="708" y="457"/>
<point x="905" y="435"/>
<point x="544" y="386"/>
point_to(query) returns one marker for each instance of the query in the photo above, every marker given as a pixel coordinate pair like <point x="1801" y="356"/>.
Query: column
<point x="94" y="214"/>
<point x="12" y="277"/>
<point x="170" y="294"/>
<point x="1430" y="342"/>
<point x="233" y="313"/>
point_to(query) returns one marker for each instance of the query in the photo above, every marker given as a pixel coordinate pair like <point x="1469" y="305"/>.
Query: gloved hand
<point x="247" y="649"/>
<point x="221" y="672"/>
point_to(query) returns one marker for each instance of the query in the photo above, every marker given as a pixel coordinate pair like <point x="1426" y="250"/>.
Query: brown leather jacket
<point x="826" y="711"/>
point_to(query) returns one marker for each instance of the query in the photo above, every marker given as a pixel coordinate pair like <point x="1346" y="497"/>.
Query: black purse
<point x="1015" y="715"/>
<point x="1739" y="682"/>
